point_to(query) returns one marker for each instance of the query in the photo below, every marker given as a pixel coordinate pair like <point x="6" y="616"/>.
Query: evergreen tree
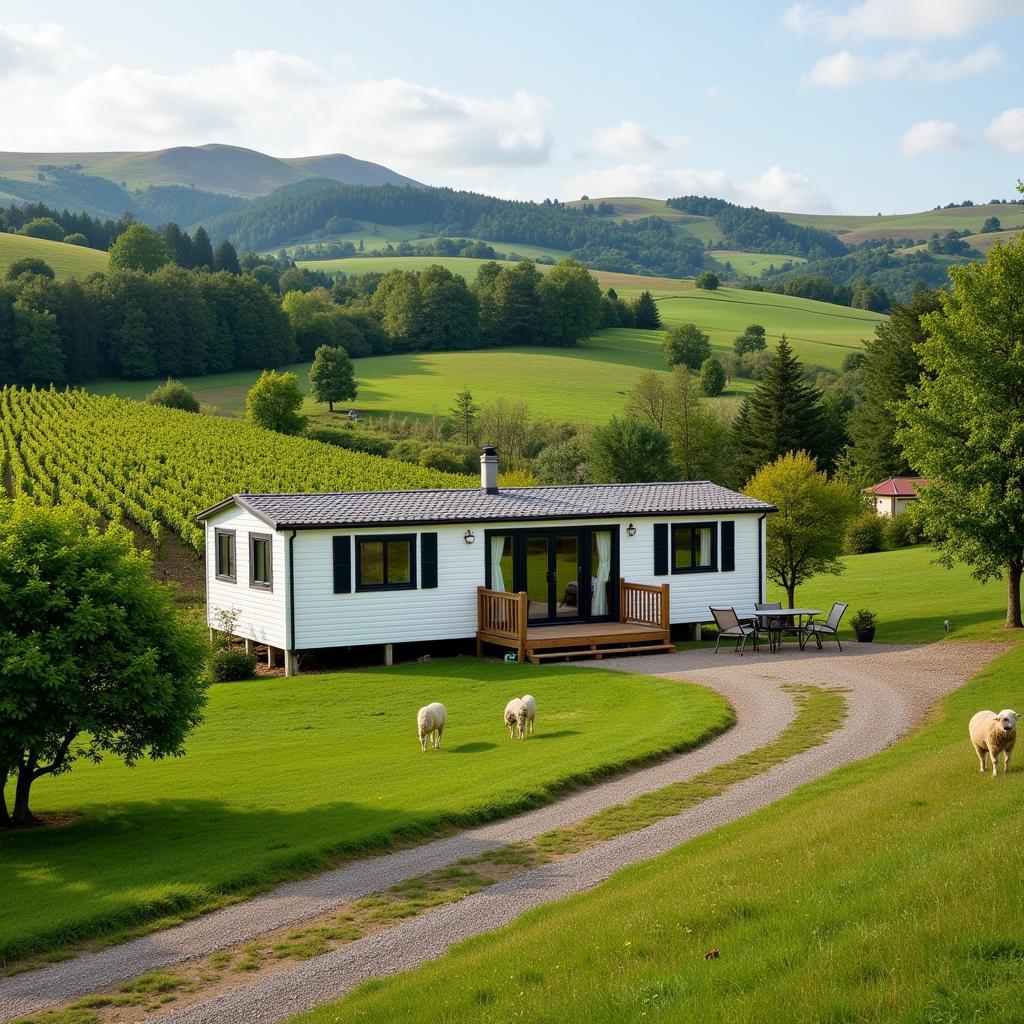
<point x="332" y="377"/>
<point x="464" y="412"/>
<point x="133" y="345"/>
<point x="627" y="450"/>
<point x="226" y="258"/>
<point x="890" y="366"/>
<point x="202" y="251"/>
<point x="179" y="244"/>
<point x="645" y="312"/>
<point x="783" y="415"/>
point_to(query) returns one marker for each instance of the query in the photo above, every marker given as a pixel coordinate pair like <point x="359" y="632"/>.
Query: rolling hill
<point x="66" y="260"/>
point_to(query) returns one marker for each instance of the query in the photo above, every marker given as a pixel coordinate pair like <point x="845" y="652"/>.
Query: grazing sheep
<point x="992" y="734"/>
<point x="531" y="710"/>
<point x="515" y="717"/>
<point x="430" y="723"/>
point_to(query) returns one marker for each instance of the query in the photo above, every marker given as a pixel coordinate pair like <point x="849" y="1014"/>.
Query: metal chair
<point x="829" y="628"/>
<point x="772" y="626"/>
<point x="729" y="626"/>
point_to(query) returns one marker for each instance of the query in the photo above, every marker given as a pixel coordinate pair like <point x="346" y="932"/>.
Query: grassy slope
<point x="911" y="595"/>
<point x="888" y="890"/>
<point x="66" y="260"/>
<point x="284" y="771"/>
<point x="752" y="263"/>
<point x="599" y="371"/>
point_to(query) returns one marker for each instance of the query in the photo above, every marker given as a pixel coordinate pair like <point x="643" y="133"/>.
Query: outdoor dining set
<point x="769" y="619"/>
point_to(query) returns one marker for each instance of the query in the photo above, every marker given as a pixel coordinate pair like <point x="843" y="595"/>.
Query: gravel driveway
<point x="890" y="689"/>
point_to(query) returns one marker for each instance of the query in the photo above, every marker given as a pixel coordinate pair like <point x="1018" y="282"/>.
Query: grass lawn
<point x="753" y="263"/>
<point x="911" y="595"/>
<point x="285" y="773"/>
<point x="66" y="260"/>
<point x="887" y="890"/>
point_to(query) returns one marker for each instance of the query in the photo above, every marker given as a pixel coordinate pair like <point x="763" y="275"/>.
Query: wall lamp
<point x="469" y="536"/>
<point x="631" y="530"/>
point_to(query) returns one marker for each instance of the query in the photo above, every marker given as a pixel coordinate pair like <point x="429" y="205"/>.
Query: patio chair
<point x="828" y="628"/>
<point x="771" y="626"/>
<point x="729" y="626"/>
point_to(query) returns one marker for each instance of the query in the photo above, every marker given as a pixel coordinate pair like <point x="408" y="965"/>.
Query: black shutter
<point x="428" y="560"/>
<point x="342" y="565"/>
<point x="728" y="546"/>
<point x="661" y="549"/>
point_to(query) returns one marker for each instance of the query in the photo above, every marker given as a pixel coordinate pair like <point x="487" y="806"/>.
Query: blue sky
<point x="856" y="106"/>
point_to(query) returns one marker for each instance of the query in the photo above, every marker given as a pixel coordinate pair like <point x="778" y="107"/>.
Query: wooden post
<point x="291" y="663"/>
<point x="249" y="645"/>
<point x="271" y="657"/>
<point x="622" y="599"/>
<point x="524" y="615"/>
<point x="666" y="607"/>
<point x="389" y="654"/>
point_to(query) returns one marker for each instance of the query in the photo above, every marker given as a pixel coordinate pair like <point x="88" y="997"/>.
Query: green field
<point x="286" y="772"/>
<point x="911" y="595"/>
<point x="66" y="260"/>
<point x="600" y="371"/>
<point x="887" y="890"/>
<point x="753" y="263"/>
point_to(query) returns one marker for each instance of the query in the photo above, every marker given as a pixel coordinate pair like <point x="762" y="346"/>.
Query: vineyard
<point x="159" y="467"/>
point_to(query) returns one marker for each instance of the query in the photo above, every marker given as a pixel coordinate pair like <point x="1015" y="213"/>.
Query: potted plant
<point x="863" y="623"/>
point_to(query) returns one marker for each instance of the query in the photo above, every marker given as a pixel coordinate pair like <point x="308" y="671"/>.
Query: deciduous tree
<point x="332" y="377"/>
<point x="274" y="401"/>
<point x="627" y="450"/>
<point x="139" y="248"/>
<point x="686" y="345"/>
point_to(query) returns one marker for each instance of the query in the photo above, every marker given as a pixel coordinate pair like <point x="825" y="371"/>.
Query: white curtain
<point x="705" y="547"/>
<point x="497" y="550"/>
<point x="599" y="604"/>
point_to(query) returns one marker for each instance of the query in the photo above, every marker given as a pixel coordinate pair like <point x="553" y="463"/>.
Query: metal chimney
<point x="489" y="470"/>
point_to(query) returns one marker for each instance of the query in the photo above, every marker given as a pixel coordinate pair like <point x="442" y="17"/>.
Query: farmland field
<point x="66" y="260"/>
<point x="864" y="896"/>
<point x="753" y="263"/>
<point x="284" y="773"/>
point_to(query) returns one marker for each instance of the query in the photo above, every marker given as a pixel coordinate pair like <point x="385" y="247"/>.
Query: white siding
<point x="326" y="619"/>
<point x="261" y="613"/>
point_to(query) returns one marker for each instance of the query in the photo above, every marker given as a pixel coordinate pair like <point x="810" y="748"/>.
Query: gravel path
<point x="890" y="689"/>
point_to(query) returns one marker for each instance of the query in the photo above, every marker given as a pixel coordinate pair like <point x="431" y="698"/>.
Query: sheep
<point x="531" y="710"/>
<point x="515" y="717"/>
<point x="991" y="734"/>
<point x="430" y="723"/>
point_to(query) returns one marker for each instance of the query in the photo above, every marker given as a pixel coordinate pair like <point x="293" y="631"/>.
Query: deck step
<point x="599" y="653"/>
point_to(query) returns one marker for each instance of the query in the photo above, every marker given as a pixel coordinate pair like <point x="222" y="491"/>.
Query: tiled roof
<point x="475" y="505"/>
<point x="899" y="486"/>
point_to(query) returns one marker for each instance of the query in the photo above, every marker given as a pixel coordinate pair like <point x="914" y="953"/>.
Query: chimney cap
<point x="490" y="451"/>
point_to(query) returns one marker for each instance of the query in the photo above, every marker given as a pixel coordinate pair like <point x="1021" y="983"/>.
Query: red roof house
<point x="893" y="494"/>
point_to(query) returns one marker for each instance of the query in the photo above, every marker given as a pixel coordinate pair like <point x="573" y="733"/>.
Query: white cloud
<point x="776" y="189"/>
<point x="36" y="49"/>
<point x="779" y="189"/>
<point x="845" y="68"/>
<point x="900" y="19"/>
<point x="272" y="100"/>
<point x="628" y="140"/>
<point x="931" y="137"/>
<point x="1006" y="130"/>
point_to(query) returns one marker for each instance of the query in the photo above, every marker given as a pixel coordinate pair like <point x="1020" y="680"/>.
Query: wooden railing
<point x="501" y="614"/>
<point x="643" y="604"/>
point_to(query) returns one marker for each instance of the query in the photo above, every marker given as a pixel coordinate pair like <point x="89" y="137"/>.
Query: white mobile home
<point x="301" y="572"/>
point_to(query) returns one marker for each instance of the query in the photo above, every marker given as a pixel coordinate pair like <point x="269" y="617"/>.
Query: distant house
<point x="590" y="568"/>
<point x="895" y="494"/>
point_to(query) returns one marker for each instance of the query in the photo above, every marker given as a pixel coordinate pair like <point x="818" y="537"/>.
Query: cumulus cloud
<point x="844" y="68"/>
<point x="268" y="99"/>
<point x="36" y="49"/>
<point x="931" y="137"/>
<point x="900" y="19"/>
<point x="775" y="189"/>
<point x="1006" y="130"/>
<point x="629" y="140"/>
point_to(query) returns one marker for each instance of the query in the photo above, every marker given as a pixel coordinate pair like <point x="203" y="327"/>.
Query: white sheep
<point x="992" y="734"/>
<point x="515" y="717"/>
<point x="430" y="723"/>
<point x="531" y="711"/>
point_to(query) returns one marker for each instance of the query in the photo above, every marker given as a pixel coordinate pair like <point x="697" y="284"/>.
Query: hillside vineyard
<point x="158" y="467"/>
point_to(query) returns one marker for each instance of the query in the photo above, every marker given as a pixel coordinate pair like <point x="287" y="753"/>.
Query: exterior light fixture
<point x="631" y="530"/>
<point x="469" y="536"/>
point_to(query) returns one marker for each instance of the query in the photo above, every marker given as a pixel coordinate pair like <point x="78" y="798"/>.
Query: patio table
<point x="789" y="617"/>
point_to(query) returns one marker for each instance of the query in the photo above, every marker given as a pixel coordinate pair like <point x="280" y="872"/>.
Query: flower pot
<point x="865" y="634"/>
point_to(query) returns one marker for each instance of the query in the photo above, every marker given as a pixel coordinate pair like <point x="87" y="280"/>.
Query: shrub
<point x="43" y="227"/>
<point x="444" y="457"/>
<point x="712" y="377"/>
<point x="708" y="281"/>
<point x="172" y="394"/>
<point x="76" y="238"/>
<point x="865" y="534"/>
<point x="353" y="440"/>
<point x="901" y="530"/>
<point x="407" y="449"/>
<point x="229" y="665"/>
<point x="862" y="619"/>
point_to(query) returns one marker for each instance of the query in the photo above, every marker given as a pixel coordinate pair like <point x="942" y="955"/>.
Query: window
<point x="386" y="563"/>
<point x="261" y="568"/>
<point x="224" y="542"/>
<point x="694" y="547"/>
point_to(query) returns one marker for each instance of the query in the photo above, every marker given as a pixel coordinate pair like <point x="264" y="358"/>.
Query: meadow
<point x="66" y="260"/>
<point x="753" y="263"/>
<point x="911" y="594"/>
<point x="285" y="775"/>
<point x="887" y="890"/>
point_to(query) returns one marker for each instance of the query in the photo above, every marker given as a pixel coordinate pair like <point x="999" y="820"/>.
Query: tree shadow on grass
<point x="471" y="748"/>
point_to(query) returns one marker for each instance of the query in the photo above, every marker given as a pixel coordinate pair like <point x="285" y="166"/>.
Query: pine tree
<point x="226" y="258"/>
<point x="464" y="412"/>
<point x="202" y="250"/>
<point x="645" y="312"/>
<point x="783" y="415"/>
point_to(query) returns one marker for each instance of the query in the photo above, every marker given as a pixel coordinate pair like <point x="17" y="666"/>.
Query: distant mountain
<point x="227" y="170"/>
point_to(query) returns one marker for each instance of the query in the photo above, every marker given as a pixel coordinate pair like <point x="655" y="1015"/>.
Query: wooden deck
<point x="643" y="627"/>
